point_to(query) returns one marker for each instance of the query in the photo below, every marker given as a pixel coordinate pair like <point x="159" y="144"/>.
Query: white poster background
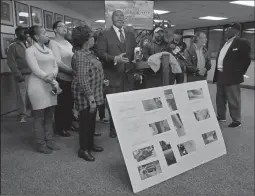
<point x="132" y="125"/>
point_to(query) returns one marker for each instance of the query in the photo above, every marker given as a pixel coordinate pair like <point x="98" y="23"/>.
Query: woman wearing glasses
<point x="62" y="50"/>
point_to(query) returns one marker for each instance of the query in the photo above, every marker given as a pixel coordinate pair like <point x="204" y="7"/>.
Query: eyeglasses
<point x="62" y="27"/>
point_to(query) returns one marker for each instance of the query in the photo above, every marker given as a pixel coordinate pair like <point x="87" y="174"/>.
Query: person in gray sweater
<point x="20" y="70"/>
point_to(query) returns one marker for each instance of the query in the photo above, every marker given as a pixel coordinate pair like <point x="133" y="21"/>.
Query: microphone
<point x="176" y="52"/>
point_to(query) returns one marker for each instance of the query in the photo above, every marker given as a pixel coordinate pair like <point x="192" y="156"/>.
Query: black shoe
<point x="103" y="120"/>
<point x="44" y="150"/>
<point x="74" y="129"/>
<point x="64" y="133"/>
<point x="97" y="134"/>
<point x="85" y="154"/>
<point x="234" y="124"/>
<point x="112" y="134"/>
<point x="221" y="119"/>
<point x="97" y="148"/>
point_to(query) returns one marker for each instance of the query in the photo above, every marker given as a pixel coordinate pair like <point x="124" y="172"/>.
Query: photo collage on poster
<point x="159" y="127"/>
<point x="202" y="114"/>
<point x="186" y="147"/>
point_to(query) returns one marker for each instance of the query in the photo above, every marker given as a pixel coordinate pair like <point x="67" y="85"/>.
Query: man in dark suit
<point x="232" y="63"/>
<point x="115" y="48"/>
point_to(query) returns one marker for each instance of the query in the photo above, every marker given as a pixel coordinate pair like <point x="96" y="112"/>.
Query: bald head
<point x="118" y="18"/>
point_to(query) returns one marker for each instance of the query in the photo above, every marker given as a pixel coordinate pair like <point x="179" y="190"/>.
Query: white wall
<point x="44" y="5"/>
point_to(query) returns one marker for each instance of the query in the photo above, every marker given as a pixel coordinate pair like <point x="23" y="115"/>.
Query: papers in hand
<point x="154" y="62"/>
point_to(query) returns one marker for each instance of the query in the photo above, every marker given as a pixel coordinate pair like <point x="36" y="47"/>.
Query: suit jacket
<point x="108" y="46"/>
<point x="235" y="63"/>
<point x="191" y="56"/>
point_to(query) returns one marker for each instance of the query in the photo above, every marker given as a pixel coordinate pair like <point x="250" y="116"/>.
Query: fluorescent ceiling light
<point x="67" y="22"/>
<point x="159" y="12"/>
<point x="216" y="29"/>
<point x="21" y="21"/>
<point x="252" y="29"/>
<point x="251" y="32"/>
<point x="212" y="18"/>
<point x="246" y="3"/>
<point x="100" y="21"/>
<point x="129" y="25"/>
<point x="23" y="14"/>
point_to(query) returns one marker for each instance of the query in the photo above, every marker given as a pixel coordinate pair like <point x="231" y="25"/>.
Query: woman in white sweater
<point x="41" y="86"/>
<point x="62" y="50"/>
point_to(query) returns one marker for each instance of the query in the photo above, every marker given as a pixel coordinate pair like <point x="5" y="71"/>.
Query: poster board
<point x="165" y="131"/>
<point x="139" y="14"/>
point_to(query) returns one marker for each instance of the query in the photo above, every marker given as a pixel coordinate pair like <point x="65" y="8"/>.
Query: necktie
<point x="122" y="38"/>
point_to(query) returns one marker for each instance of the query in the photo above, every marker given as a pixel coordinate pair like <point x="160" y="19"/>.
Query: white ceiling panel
<point x="183" y="14"/>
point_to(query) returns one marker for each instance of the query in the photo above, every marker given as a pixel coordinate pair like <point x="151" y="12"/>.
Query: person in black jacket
<point x="232" y="63"/>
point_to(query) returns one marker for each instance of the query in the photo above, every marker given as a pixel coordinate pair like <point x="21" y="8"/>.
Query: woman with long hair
<point x="87" y="89"/>
<point x="42" y="88"/>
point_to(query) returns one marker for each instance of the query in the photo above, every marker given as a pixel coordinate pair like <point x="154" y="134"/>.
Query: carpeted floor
<point x="26" y="172"/>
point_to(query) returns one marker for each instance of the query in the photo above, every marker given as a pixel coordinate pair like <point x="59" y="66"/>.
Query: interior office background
<point x="215" y="37"/>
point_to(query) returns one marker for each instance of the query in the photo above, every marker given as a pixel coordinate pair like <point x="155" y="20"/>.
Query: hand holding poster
<point x="165" y="131"/>
<point x="139" y="14"/>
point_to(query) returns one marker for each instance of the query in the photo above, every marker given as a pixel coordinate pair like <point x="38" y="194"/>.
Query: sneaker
<point x="53" y="146"/>
<point x="44" y="150"/>
<point x="234" y="125"/>
<point x="221" y="120"/>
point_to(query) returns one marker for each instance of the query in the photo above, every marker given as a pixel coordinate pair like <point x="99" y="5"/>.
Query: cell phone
<point x="54" y="91"/>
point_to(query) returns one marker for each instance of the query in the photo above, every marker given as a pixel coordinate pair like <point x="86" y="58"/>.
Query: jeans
<point x="43" y="126"/>
<point x="23" y="101"/>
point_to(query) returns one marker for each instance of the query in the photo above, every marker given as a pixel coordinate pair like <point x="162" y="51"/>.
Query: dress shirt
<point x="200" y="57"/>
<point x="116" y="29"/>
<point x="223" y="53"/>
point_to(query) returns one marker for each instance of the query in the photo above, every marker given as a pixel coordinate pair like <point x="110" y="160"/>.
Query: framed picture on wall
<point x="6" y="40"/>
<point x="68" y="21"/>
<point x="59" y="17"/>
<point x="48" y="20"/>
<point x="36" y="16"/>
<point x="7" y="13"/>
<point x="22" y="14"/>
